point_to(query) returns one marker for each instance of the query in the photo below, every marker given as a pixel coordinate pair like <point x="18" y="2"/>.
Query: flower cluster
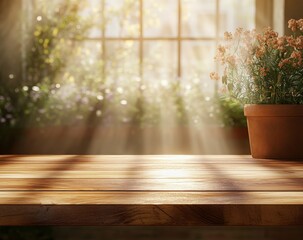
<point x="263" y="68"/>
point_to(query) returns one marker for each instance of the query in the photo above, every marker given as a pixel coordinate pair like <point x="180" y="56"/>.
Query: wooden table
<point x="150" y="190"/>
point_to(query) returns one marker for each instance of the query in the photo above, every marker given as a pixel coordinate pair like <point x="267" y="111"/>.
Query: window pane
<point x="122" y="60"/>
<point x="122" y="18"/>
<point x="235" y="13"/>
<point x="199" y="18"/>
<point x="160" y="18"/>
<point x="82" y="16"/>
<point x="92" y="9"/>
<point x="89" y="52"/>
<point x="160" y="60"/>
<point x="83" y="62"/>
<point x="197" y="59"/>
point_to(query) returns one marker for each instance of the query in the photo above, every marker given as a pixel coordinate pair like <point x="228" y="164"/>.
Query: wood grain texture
<point x="149" y="197"/>
<point x="135" y="159"/>
<point x="152" y="215"/>
<point x="150" y="190"/>
<point x="148" y="166"/>
<point x="155" y="174"/>
<point x="115" y="184"/>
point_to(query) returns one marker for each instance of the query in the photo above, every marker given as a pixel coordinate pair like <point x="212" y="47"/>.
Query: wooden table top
<point x="149" y="190"/>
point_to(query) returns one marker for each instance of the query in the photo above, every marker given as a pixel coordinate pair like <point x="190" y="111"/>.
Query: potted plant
<point x="264" y="71"/>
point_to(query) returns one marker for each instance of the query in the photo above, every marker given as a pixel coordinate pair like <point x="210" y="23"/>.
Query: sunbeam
<point x="122" y="77"/>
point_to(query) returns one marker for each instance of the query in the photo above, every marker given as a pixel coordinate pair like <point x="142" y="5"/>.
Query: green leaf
<point x="230" y="87"/>
<point x="296" y="83"/>
<point x="224" y="79"/>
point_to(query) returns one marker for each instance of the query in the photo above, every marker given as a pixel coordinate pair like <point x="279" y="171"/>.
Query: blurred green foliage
<point x="65" y="82"/>
<point x="231" y="112"/>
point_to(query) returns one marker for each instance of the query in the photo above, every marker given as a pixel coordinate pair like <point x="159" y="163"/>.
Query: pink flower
<point x="238" y="32"/>
<point x="283" y="62"/>
<point x="281" y="41"/>
<point x="221" y="50"/>
<point x="295" y="55"/>
<point x="249" y="58"/>
<point x="291" y="41"/>
<point x="299" y="42"/>
<point x="292" y="24"/>
<point x="228" y="36"/>
<point x="214" y="76"/>
<point x="231" y="60"/>
<point x="263" y="71"/>
<point x="260" y="51"/>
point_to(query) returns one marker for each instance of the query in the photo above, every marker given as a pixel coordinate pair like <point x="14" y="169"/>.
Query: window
<point x="159" y="40"/>
<point x="122" y="60"/>
<point x="117" y="63"/>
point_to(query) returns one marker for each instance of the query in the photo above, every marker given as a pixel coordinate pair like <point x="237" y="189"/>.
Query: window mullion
<point x="179" y="39"/>
<point x="218" y="18"/>
<point x="103" y="26"/>
<point x="141" y="46"/>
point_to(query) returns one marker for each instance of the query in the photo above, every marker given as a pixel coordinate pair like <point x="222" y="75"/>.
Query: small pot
<point x="275" y="131"/>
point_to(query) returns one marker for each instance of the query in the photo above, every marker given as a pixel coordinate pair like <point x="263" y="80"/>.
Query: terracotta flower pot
<point x="275" y="131"/>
